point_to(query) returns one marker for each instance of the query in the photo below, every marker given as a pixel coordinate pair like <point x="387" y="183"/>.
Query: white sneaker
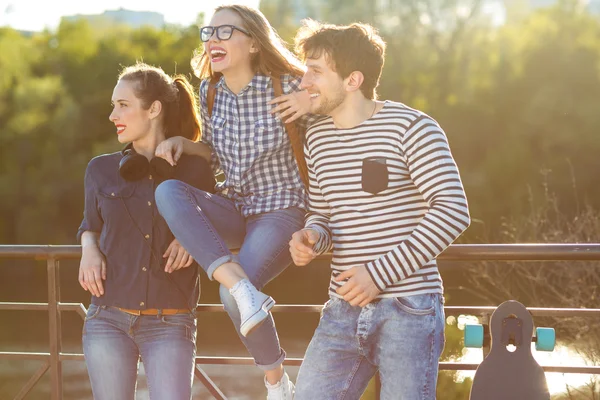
<point x="253" y="305"/>
<point x="282" y="390"/>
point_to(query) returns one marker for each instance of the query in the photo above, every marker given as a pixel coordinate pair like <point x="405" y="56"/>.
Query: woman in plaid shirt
<point x="261" y="202"/>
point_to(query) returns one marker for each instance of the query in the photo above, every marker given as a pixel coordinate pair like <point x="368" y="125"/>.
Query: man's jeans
<point x="401" y="337"/>
<point x="208" y="225"/>
<point x="113" y="342"/>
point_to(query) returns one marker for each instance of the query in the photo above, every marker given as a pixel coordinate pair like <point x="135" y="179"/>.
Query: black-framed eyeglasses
<point x="224" y="32"/>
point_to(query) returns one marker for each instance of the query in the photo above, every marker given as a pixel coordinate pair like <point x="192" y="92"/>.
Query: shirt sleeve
<point x="435" y="174"/>
<point x="92" y="220"/>
<point x="207" y="127"/>
<point x="195" y="171"/>
<point x="318" y="214"/>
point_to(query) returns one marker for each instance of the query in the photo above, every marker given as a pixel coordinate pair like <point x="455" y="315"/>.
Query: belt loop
<point x="159" y="313"/>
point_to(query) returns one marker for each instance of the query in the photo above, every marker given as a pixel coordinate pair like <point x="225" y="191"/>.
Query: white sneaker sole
<point x="257" y="318"/>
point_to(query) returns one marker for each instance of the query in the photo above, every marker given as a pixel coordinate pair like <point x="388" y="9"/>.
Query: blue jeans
<point x="113" y="342"/>
<point x="401" y="337"/>
<point x="208" y="225"/>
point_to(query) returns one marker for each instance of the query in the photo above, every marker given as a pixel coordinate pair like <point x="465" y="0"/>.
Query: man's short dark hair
<point x="355" y="47"/>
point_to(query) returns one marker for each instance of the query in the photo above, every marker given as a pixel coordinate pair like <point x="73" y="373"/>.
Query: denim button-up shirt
<point x="134" y="237"/>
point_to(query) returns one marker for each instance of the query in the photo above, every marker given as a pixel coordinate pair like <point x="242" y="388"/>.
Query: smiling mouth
<point x="217" y="55"/>
<point x="314" y="95"/>
<point x="120" y="129"/>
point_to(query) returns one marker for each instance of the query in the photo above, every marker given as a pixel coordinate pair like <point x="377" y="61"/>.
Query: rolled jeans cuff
<point x="275" y="364"/>
<point x="220" y="261"/>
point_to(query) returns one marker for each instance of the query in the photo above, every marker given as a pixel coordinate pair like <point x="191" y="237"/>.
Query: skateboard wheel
<point x="474" y="335"/>
<point x="545" y="339"/>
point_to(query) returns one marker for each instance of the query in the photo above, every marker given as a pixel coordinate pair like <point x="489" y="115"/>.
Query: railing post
<point x="55" y="327"/>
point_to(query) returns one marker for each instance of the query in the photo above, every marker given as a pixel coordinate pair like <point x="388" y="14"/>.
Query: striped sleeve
<point x="317" y="217"/>
<point x="435" y="175"/>
<point x="207" y="127"/>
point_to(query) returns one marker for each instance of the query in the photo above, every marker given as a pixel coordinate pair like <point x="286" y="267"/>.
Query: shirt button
<point x="144" y="269"/>
<point x="149" y="203"/>
<point x="141" y="304"/>
<point x="147" y="236"/>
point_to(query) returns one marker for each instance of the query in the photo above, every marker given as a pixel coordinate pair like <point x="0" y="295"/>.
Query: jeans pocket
<point x="422" y="304"/>
<point x="186" y="321"/>
<point x="92" y="312"/>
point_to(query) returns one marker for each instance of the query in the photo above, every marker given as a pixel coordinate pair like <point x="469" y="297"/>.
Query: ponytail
<point x="187" y="123"/>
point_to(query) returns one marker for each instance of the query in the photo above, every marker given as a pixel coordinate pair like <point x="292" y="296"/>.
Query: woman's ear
<point x="155" y="109"/>
<point x="254" y="48"/>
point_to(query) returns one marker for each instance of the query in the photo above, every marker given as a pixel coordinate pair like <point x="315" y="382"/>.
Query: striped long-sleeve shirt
<point x="385" y="194"/>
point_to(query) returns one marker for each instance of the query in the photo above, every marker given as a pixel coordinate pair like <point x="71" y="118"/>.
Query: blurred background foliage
<point x="519" y="101"/>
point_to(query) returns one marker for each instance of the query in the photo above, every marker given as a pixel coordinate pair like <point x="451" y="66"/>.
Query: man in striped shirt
<point x="386" y="198"/>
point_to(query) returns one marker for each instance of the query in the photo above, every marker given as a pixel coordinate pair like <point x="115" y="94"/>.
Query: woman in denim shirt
<point x="262" y="200"/>
<point x="144" y="284"/>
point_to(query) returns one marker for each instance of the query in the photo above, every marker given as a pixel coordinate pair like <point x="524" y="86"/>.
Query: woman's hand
<point x="92" y="270"/>
<point x="170" y="149"/>
<point x="295" y="104"/>
<point x="177" y="257"/>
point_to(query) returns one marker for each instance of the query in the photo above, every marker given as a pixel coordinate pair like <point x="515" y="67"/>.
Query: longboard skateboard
<point x="509" y="371"/>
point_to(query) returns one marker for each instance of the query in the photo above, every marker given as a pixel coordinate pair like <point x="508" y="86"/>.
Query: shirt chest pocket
<point x="113" y="200"/>
<point x="268" y="136"/>
<point x="375" y="175"/>
<point x="219" y="134"/>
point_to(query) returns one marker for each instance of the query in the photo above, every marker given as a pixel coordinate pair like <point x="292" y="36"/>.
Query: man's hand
<point x="170" y="149"/>
<point x="177" y="257"/>
<point x="92" y="270"/>
<point x="301" y="246"/>
<point x="295" y="104"/>
<point x="359" y="289"/>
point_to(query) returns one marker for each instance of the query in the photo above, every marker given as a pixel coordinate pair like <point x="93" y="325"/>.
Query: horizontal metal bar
<point x="40" y="252"/>
<point x="523" y="252"/>
<point x="449" y="310"/>
<point x="10" y="355"/>
<point x="535" y="311"/>
<point x="71" y="357"/>
<point x="77" y="307"/>
<point x="24" y="306"/>
<point x="456" y="252"/>
<point x="205" y="360"/>
<point x="453" y="366"/>
<point x="293" y="308"/>
<point x="315" y="308"/>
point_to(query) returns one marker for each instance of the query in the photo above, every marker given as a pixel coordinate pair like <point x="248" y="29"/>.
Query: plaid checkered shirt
<point x="251" y="147"/>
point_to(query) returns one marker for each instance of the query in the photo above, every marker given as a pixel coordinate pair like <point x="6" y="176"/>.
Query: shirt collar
<point x="258" y="82"/>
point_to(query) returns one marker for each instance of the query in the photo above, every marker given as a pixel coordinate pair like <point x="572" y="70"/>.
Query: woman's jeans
<point x="113" y="342"/>
<point x="208" y="225"/>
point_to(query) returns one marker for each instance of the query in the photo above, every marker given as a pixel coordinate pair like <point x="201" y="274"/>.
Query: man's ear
<point x="354" y="81"/>
<point x="155" y="109"/>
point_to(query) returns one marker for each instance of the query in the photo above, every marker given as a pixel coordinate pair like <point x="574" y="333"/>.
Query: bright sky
<point x="35" y="15"/>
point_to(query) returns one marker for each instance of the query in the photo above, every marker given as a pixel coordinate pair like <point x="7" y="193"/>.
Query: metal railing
<point x="52" y="360"/>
